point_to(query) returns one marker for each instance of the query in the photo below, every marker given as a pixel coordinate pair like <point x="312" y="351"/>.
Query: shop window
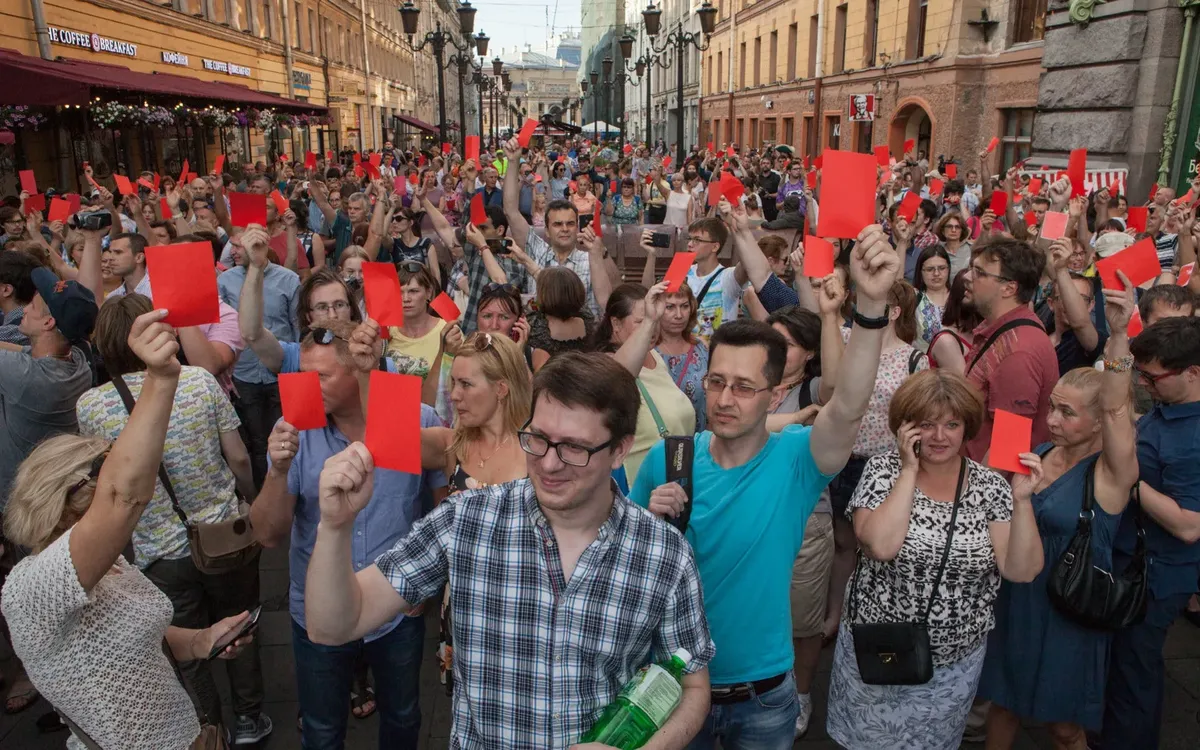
<point x="238" y="18"/>
<point x="1029" y="25"/>
<point x="833" y="132"/>
<point x="1016" y="141"/>
<point x="789" y="130"/>
<point x="768" y="131"/>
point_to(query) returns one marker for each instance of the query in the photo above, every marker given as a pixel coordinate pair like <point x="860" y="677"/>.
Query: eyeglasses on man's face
<point x="1154" y="378"/>
<point x="979" y="273"/>
<point x="571" y="454"/>
<point x="324" y="308"/>
<point x="716" y="385"/>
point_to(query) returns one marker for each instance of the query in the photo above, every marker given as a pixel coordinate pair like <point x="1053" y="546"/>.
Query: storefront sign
<point x="226" y="67"/>
<point x="175" y="58"/>
<point x="301" y="80"/>
<point x="862" y="107"/>
<point x="94" y="42"/>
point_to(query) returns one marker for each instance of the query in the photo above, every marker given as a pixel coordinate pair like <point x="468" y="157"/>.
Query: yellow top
<point x="414" y="356"/>
<point x="675" y="408"/>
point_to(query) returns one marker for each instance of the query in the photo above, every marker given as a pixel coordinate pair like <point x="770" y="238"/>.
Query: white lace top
<point x="98" y="657"/>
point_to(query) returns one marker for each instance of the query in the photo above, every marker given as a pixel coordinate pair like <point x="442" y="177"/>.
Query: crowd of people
<point x="839" y="485"/>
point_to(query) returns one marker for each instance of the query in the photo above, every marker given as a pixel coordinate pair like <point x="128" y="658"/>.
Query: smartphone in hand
<point x="246" y="627"/>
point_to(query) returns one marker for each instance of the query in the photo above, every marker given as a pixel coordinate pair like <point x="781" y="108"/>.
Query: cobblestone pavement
<point x="1181" y="729"/>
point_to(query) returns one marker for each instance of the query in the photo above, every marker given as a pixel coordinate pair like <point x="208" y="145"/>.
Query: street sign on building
<point x="862" y="107"/>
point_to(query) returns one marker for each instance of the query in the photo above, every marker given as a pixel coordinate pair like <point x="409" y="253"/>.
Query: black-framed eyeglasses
<point x="324" y="336"/>
<point x="93" y="473"/>
<point x="571" y="454"/>
<point x="699" y="239"/>
<point x="978" y="272"/>
<point x="326" y="307"/>
<point x="716" y="385"/>
<point x="412" y="266"/>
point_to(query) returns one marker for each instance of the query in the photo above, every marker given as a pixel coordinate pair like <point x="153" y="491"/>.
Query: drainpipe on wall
<point x="820" y="72"/>
<point x="362" y="8"/>
<point x="287" y="48"/>
<point x="1171" y="127"/>
<point x="40" y="29"/>
<point x="732" y="53"/>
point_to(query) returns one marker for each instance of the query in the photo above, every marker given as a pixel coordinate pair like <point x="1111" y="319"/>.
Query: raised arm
<point x="874" y="266"/>
<point x="517" y="226"/>
<point x="89" y="265"/>
<point x="1117" y="469"/>
<point x="829" y="306"/>
<point x="1074" y="305"/>
<point x="649" y="271"/>
<point x="320" y="196"/>
<point x="127" y="479"/>
<point x="250" y="306"/>
<point x="440" y="225"/>
<point x="632" y="354"/>
<point x="602" y="285"/>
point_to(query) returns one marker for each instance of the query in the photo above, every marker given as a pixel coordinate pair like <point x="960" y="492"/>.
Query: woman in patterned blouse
<point x="904" y="511"/>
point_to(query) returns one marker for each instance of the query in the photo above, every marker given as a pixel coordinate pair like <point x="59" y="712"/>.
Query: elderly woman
<point x="937" y="532"/>
<point x="88" y="626"/>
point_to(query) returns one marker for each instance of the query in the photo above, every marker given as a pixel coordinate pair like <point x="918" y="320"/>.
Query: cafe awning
<point x="32" y="81"/>
<point x="418" y="124"/>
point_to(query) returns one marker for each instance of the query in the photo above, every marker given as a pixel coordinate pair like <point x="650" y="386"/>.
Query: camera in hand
<point x="90" y="220"/>
<point x="660" y="239"/>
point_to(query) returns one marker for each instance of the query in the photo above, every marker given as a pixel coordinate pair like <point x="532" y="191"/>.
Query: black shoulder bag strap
<point x="937" y="581"/>
<point x="976" y="356"/>
<point x="707" y="284"/>
<point x="680" y="451"/>
<point x="914" y="360"/>
<point x="127" y="397"/>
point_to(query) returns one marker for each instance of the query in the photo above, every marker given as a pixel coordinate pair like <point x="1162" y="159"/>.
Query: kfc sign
<point x="862" y="107"/>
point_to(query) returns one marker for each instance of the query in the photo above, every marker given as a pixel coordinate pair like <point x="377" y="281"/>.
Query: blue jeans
<point x="325" y="676"/>
<point x="1133" y="700"/>
<point x="765" y="721"/>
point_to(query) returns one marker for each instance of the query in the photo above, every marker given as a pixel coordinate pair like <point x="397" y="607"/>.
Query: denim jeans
<point x="765" y="721"/>
<point x="325" y="676"/>
<point x="1133" y="700"/>
<point x="200" y="599"/>
<point x="258" y="408"/>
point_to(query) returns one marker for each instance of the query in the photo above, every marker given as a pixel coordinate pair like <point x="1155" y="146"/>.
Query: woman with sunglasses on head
<point x="931" y="279"/>
<point x="88" y="626"/>
<point x="415" y="345"/>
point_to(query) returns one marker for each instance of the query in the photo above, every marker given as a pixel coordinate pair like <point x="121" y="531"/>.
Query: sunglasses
<point x="497" y="289"/>
<point x="324" y="336"/>
<point x="412" y="266"/>
<point x="93" y="473"/>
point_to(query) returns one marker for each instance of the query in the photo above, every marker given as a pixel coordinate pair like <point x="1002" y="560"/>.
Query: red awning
<point x="418" y="124"/>
<point x="33" y="81"/>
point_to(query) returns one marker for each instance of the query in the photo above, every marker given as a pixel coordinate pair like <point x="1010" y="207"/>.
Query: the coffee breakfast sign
<point x="94" y="42"/>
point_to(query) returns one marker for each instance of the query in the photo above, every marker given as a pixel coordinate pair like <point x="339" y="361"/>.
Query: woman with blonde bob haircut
<point x="909" y="506"/>
<point x="88" y="626"/>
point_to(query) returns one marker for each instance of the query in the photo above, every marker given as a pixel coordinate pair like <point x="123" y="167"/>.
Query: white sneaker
<point x="804" y="701"/>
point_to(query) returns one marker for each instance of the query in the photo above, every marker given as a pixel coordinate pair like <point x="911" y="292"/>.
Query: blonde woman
<point x="88" y="626"/>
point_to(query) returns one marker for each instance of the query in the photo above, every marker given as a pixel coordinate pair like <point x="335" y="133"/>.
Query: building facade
<point x="663" y="78"/>
<point x="602" y="24"/>
<point x="541" y="81"/>
<point x="816" y="74"/>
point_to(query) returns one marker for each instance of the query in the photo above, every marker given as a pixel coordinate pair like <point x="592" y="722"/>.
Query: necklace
<point x="482" y="461"/>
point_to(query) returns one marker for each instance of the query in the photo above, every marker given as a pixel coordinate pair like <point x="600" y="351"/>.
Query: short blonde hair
<point x="40" y="508"/>
<point x="932" y="393"/>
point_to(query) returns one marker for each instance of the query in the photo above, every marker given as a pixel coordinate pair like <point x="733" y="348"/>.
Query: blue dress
<point x="1039" y="664"/>
<point x="688" y="370"/>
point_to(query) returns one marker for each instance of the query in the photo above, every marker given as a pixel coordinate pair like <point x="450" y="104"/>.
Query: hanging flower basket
<point x="20" y="117"/>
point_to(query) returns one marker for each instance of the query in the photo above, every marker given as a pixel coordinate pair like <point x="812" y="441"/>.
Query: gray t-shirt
<point x="37" y="401"/>
<point x="791" y="404"/>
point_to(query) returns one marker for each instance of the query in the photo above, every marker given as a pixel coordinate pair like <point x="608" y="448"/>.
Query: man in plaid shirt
<point x="561" y="588"/>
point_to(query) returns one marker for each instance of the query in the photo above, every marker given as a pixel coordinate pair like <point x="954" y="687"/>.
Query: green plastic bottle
<point x="642" y="706"/>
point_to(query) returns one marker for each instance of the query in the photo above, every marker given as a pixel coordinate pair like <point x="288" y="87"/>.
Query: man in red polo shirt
<point x="1012" y="360"/>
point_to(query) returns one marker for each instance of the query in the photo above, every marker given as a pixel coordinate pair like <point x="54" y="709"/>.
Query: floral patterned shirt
<point x="687" y="370"/>
<point x="874" y="435"/>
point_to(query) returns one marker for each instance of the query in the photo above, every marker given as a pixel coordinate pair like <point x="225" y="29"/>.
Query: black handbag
<point x="898" y="653"/>
<point x="1091" y="596"/>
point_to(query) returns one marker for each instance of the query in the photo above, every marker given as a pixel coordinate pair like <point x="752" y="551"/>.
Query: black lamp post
<point x="462" y="42"/>
<point x="645" y="60"/>
<point x="679" y="40"/>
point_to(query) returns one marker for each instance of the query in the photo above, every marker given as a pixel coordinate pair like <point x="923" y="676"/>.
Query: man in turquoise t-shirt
<point x="753" y="492"/>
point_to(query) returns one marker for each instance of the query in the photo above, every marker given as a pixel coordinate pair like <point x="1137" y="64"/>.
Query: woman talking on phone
<point x="88" y="626"/>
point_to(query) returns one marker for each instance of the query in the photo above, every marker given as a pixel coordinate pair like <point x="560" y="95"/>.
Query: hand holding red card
<point x="301" y="400"/>
<point x="381" y="288"/>
<point x="446" y="148"/>
<point x="678" y="270"/>
<point x="35" y="202"/>
<point x="478" y="213"/>
<point x="444" y="306"/>
<point x="393" y="433"/>
<point x="1139" y="261"/>
<point x="936" y="186"/>
<point x="526" y="134"/>
<point x="281" y="203"/>
<point x="992" y="144"/>
<point x="124" y="186"/>
<point x="185" y="283"/>
<point x="999" y="203"/>
<point x="1076" y="169"/>
<point x="882" y="156"/>
<point x="471" y="149"/>
<point x="1011" y="435"/>
<point x="219" y="165"/>
<point x="909" y="145"/>
<point x="247" y="208"/>
<point x="1054" y="225"/>
<point x="952" y="171"/>
<point x="1185" y="274"/>
<point x="60" y="210"/>
<point x="399" y="184"/>
<point x="732" y="188"/>
<point x="851" y="177"/>
<point x="1035" y="186"/>
<point x="1136" y="218"/>
<point x="183" y="173"/>
<point x="28" y="181"/>
<point x="164" y="207"/>
<point x="310" y="160"/>
<point x="907" y="209"/>
<point x="818" y="257"/>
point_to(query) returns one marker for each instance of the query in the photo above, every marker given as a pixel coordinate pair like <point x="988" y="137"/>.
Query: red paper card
<point x="1135" y="325"/>
<point x="281" y="203"/>
<point x="999" y="203"/>
<point x="1054" y="225"/>
<point x="732" y="188"/>
<point x="1030" y="219"/>
<point x="882" y="156"/>
<point x="301" y="399"/>
<point x="1139" y="261"/>
<point x="710" y="147"/>
<point x="852" y="179"/>
<point x="811" y="180"/>
<point x="381" y="288"/>
<point x="572" y="186"/>
<point x="393" y="434"/>
<point x="1185" y="274"/>
<point x="909" y="145"/>
<point x="952" y="170"/>
<point x="329" y="157"/>
<point x="1011" y="435"/>
<point x="478" y="214"/>
<point x="597" y="223"/>
<point x="729" y="152"/>
<point x="375" y="158"/>
<point x="992" y="144"/>
<point x="124" y="186"/>
<point x="1153" y="192"/>
<point x="219" y="164"/>
<point x="191" y="177"/>
<point x="471" y="149"/>
<point x="612" y="187"/>
<point x="28" y="181"/>
<point x="446" y="148"/>
<point x="358" y="171"/>
<point x="936" y="186"/>
<point x="908" y="207"/>
<point x="35" y="202"/>
<point x="420" y="160"/>
<point x="357" y="158"/>
<point x="819" y="162"/>
<point x="185" y="283"/>
<point x="399" y="184"/>
<point x="444" y="306"/>
<point x="628" y="148"/>
<point x="1035" y="186"/>
<point x="310" y="160"/>
<point x="157" y="181"/>
<point x="183" y="173"/>
<point x="666" y="162"/>
<point x="714" y="195"/>
<point x="247" y="208"/>
<point x="285" y="159"/>
<point x="145" y="183"/>
<point x="372" y="170"/>
<point x="818" y="257"/>
<point x="164" y="206"/>
<point x="1076" y="168"/>
<point x="806" y="164"/>
<point x="526" y="133"/>
<point x="412" y="178"/>
<point x="75" y="201"/>
<point x="1136" y="217"/>
<point x="60" y="210"/>
<point x="678" y="270"/>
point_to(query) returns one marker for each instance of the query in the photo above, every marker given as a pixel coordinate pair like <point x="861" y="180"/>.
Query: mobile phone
<point x="660" y="239"/>
<point x="499" y="246"/>
<point x="585" y="221"/>
<point x="917" y="449"/>
<point x="247" y="627"/>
